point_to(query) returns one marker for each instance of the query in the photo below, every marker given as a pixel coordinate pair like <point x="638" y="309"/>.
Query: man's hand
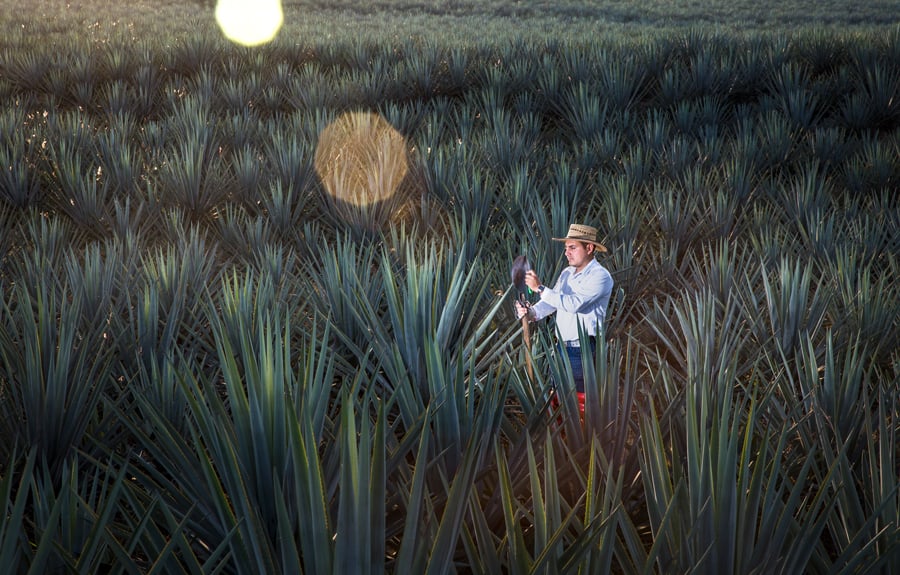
<point x="532" y="280"/>
<point x="522" y="311"/>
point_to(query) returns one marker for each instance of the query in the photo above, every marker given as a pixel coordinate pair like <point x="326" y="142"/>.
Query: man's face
<point x="579" y="254"/>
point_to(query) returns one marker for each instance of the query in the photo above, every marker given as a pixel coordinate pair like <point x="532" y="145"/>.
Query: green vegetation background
<point x="207" y="364"/>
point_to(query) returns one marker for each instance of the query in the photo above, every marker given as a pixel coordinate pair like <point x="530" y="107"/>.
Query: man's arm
<point x="542" y="308"/>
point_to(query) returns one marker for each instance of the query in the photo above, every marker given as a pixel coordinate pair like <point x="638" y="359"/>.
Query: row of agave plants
<point x="208" y="363"/>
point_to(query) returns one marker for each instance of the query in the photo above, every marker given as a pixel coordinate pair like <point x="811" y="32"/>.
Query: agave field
<point x="256" y="312"/>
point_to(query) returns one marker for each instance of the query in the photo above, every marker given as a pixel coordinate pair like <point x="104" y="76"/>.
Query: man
<point x="580" y="296"/>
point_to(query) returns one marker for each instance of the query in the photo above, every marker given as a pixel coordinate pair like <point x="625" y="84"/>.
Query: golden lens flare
<point x="361" y="159"/>
<point x="249" y="22"/>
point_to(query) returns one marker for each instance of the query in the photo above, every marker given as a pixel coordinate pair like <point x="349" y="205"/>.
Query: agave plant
<point x="56" y="371"/>
<point x="19" y="182"/>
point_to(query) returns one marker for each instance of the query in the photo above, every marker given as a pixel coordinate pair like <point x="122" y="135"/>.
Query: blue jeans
<point x="575" y="354"/>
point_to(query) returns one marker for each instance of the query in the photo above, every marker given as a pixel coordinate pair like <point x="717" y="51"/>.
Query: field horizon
<point x="462" y="21"/>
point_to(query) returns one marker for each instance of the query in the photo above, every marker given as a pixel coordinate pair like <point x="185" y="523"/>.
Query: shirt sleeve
<point x="543" y="309"/>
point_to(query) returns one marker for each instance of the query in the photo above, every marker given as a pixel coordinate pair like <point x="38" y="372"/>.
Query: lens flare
<point x="361" y="159"/>
<point x="249" y="22"/>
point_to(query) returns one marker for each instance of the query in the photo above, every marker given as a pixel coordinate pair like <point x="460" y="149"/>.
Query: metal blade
<point x="517" y="273"/>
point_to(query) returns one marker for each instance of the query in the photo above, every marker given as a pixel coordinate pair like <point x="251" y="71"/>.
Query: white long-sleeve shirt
<point x="577" y="296"/>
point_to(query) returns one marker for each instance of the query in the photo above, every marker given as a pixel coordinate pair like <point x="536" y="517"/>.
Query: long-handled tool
<point x="517" y="273"/>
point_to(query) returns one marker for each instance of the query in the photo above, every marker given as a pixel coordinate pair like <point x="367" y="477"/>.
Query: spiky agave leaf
<point x="14" y="556"/>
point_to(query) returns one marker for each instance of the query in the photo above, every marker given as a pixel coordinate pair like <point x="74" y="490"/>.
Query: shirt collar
<point x="586" y="268"/>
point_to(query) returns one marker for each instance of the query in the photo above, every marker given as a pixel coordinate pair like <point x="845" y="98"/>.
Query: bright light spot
<point x="361" y="158"/>
<point x="249" y="22"/>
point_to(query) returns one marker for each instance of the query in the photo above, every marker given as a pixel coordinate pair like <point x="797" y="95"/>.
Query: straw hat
<point x="582" y="233"/>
